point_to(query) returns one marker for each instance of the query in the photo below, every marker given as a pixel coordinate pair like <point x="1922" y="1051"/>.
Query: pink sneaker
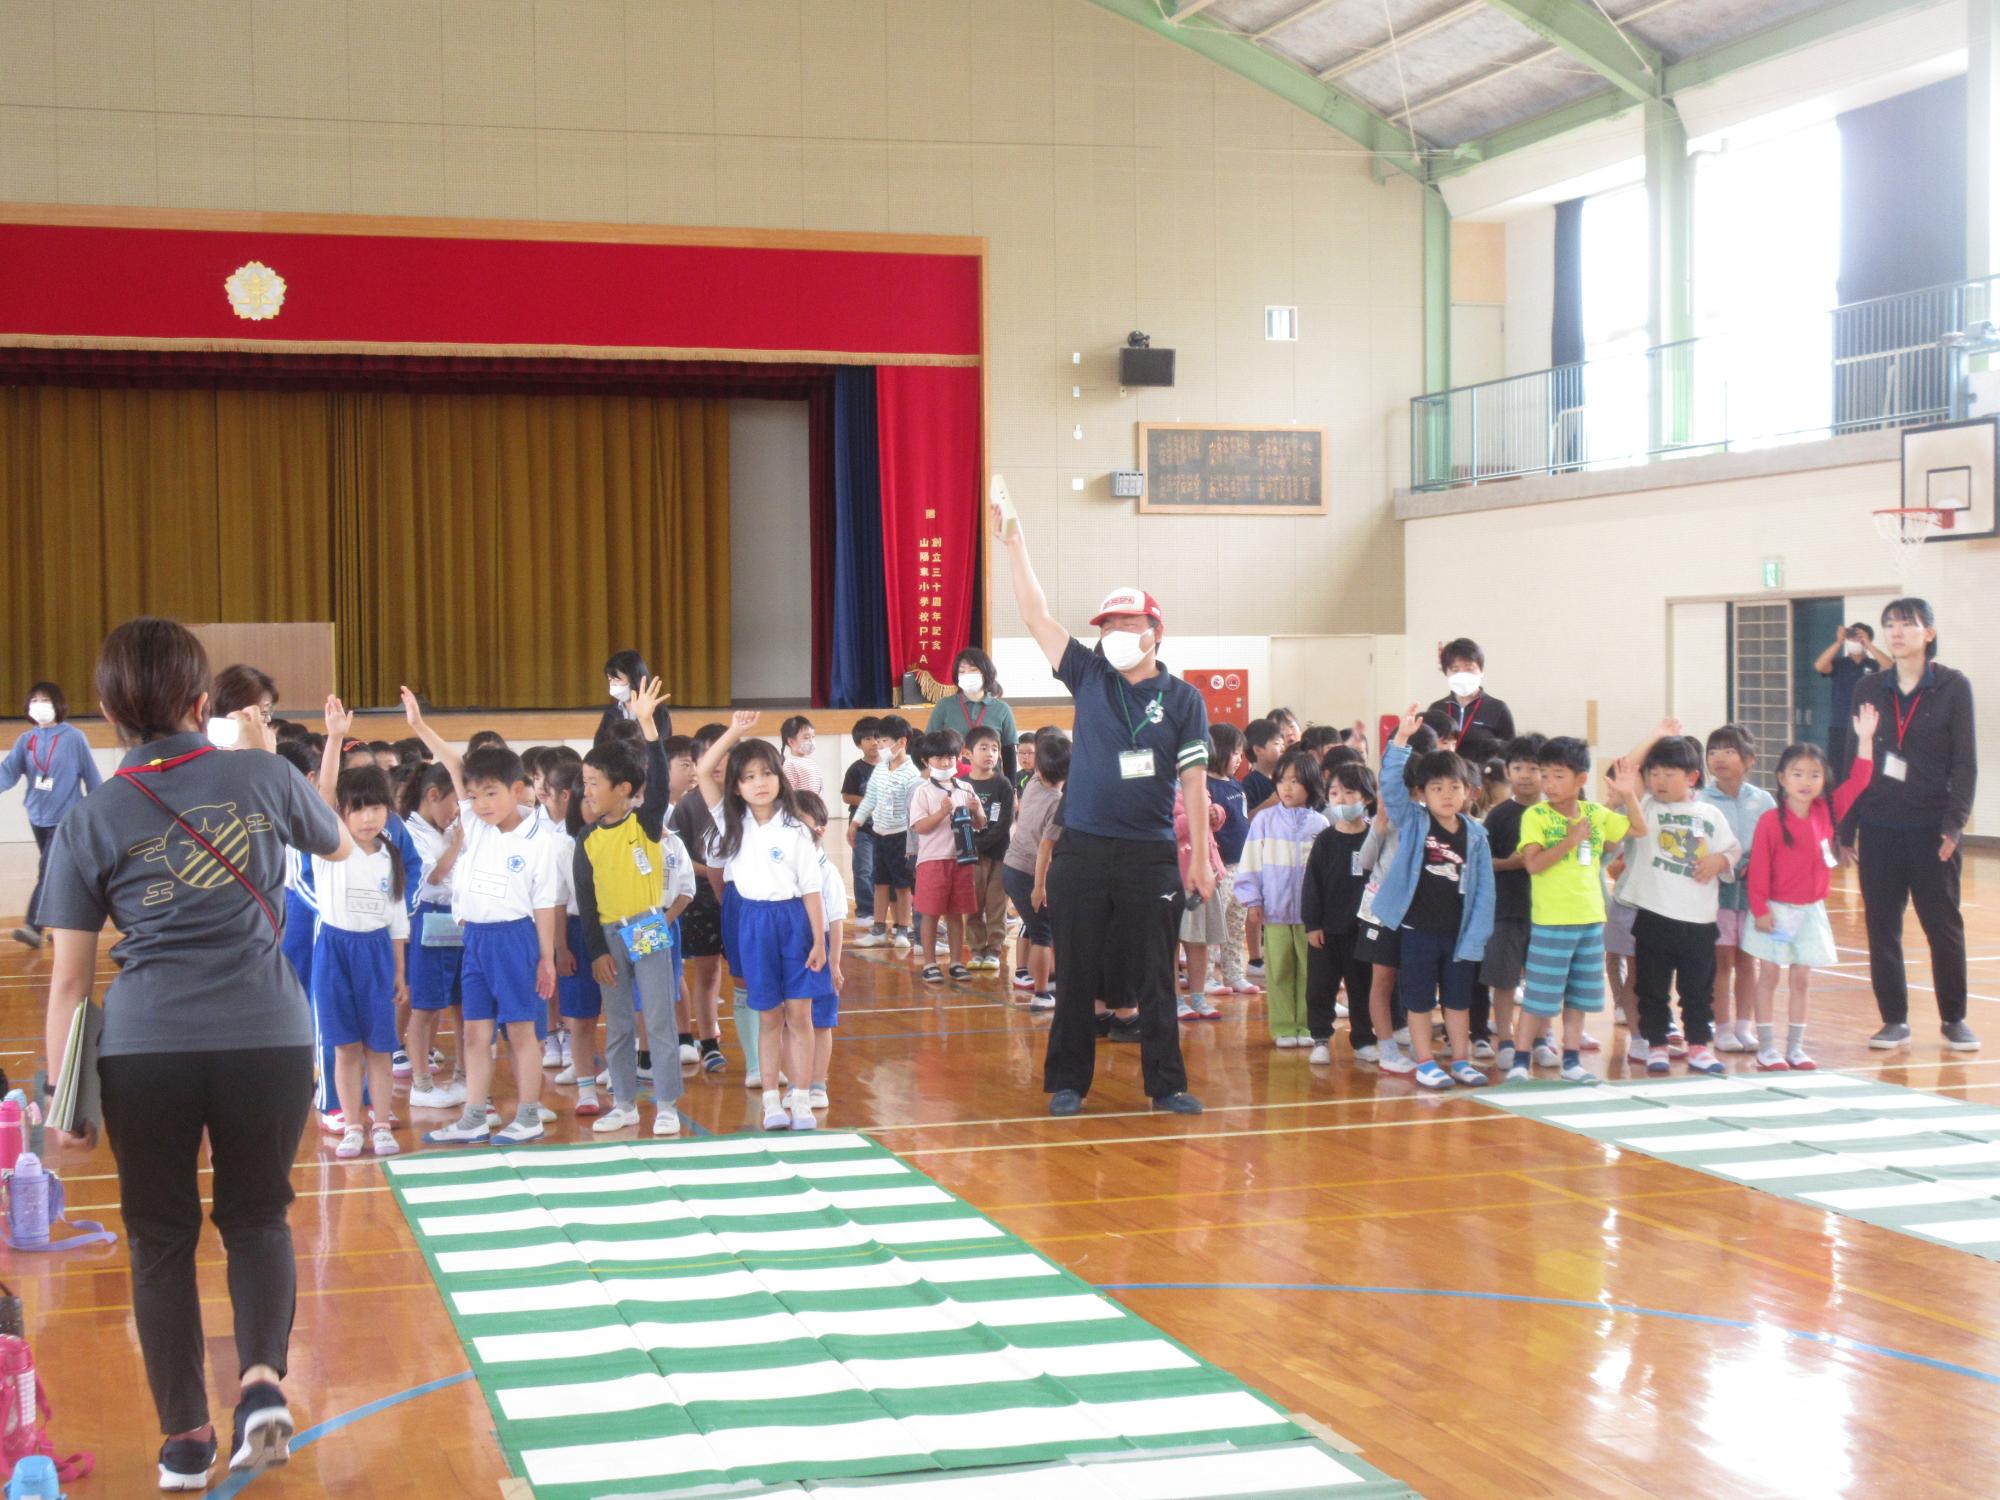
<point x="1589" y="1044"/>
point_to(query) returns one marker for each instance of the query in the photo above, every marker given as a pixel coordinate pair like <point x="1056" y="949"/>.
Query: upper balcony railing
<point x="1890" y="362"/>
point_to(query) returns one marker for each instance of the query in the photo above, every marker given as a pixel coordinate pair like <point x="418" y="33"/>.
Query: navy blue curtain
<point x="1566" y="331"/>
<point x="861" y="676"/>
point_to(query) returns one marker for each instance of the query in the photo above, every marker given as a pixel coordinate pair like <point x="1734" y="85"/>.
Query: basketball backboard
<point x="1950" y="467"/>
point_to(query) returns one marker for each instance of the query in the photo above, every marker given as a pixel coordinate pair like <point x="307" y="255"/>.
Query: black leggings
<point x="252" y="1105"/>
<point x="1327" y="970"/>
<point x="1899" y="867"/>
<point x="43" y="838"/>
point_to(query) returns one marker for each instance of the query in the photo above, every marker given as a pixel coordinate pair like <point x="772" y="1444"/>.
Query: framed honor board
<point x="1217" y="469"/>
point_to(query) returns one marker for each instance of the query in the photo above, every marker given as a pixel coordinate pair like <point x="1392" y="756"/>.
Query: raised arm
<point x="708" y="774"/>
<point x="447" y="757"/>
<point x="1028" y="596"/>
<point x="1823" y="663"/>
<point x="338" y="722"/>
<point x="1623" y="778"/>
<point x="1667" y="728"/>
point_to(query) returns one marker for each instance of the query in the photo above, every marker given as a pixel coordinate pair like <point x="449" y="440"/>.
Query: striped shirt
<point x="885" y="806"/>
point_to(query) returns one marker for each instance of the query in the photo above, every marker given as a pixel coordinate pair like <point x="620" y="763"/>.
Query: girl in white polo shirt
<point x="767" y="851"/>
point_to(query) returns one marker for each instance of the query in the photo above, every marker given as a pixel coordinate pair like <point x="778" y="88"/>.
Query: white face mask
<point x="621" y="692"/>
<point x="942" y="778"/>
<point x="1348" y="812"/>
<point x="1125" y="649"/>
<point x="1853" y="648"/>
<point x="884" y="754"/>
<point x="42" y="711"/>
<point x="805" y="750"/>
<point x="225" y="734"/>
<point x="1463" y="683"/>
<point x="972" y="684"/>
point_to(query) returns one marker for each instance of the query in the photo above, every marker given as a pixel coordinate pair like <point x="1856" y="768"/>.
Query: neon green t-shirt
<point x="1570" y="892"/>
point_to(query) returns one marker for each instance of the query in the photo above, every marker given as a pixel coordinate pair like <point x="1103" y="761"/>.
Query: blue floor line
<point x="235" y="1484"/>
<point x="1830" y="1340"/>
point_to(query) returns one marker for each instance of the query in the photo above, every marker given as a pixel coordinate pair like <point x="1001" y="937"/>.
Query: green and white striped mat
<point x="810" y="1313"/>
<point x="1924" y="1164"/>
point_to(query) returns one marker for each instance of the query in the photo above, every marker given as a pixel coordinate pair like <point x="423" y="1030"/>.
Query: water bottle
<point x="18" y="1409"/>
<point x="35" y="1478"/>
<point x="12" y="1141"/>
<point x="966" y="852"/>
<point x="34" y="1201"/>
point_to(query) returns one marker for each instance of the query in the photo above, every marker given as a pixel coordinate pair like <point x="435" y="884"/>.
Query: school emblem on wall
<point x="255" y="291"/>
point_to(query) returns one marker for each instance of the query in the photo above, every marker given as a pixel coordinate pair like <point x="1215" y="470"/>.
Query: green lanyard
<point x="1125" y="703"/>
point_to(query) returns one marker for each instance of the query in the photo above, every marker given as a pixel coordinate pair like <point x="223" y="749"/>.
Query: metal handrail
<point x="1880" y="362"/>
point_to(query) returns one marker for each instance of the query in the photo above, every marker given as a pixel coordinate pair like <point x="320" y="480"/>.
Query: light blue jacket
<point x="1406" y="866"/>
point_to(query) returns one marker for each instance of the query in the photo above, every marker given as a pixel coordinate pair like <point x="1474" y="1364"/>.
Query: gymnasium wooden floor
<point x="1485" y="1306"/>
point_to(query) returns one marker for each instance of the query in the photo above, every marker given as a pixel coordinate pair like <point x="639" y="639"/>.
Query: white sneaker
<point x="818" y="1096"/>
<point x="552" y="1050"/>
<point x="1340" y="1010"/>
<point x="1547" y="1056"/>
<point x="1482" y="1052"/>
<point x="1321" y="1053"/>
<point x="1185" y="1012"/>
<point x="616" y="1118"/>
<point x="1517" y="1074"/>
<point x="1588" y="1043"/>
<point x="1042" y="1002"/>
<point x="901" y="941"/>
<point x="456" y="1134"/>
<point x="384" y="1143"/>
<point x="1577" y="1073"/>
<point x="351" y="1142"/>
<point x="776" y="1116"/>
<point x="1284" y="1043"/>
<point x="1217" y="987"/>
<point x="568" y="1074"/>
<point x="1726" y="1040"/>
<point x="433" y="1098"/>
<point x="690" y="1054"/>
<point x="874" y="937"/>
<point x="454" y="1092"/>
<point x="564" y="1034"/>
<point x="802" y="1115"/>
<point x="1368" y="1054"/>
<point x="1397" y="1061"/>
<point x="667" y="1121"/>
<point x="546" y="1115"/>
<point x="517" y="1132"/>
<point x="1402" y="1036"/>
<point x="753" y="1079"/>
<point x="604" y="1079"/>
<point x="1637" y="1049"/>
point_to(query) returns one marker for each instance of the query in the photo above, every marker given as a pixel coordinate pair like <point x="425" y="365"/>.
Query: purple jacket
<point x="1272" y="873"/>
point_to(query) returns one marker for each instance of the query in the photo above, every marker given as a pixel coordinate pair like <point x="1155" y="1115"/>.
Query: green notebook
<point x="77" y="1101"/>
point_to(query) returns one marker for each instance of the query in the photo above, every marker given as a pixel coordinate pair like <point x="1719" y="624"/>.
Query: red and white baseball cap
<point x="1129" y="602"/>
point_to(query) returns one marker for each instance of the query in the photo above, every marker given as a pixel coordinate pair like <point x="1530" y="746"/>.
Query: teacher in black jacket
<point x="1912" y="817"/>
<point x="623" y="674"/>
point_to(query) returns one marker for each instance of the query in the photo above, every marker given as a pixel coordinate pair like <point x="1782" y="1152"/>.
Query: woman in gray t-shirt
<point x="206" y="1030"/>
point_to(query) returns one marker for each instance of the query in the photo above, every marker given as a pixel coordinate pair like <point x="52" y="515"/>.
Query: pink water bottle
<point x="12" y="1141"/>
<point x="18" y="1409"/>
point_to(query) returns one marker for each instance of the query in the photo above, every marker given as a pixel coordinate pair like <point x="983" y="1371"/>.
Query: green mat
<point x="811" y="1313"/>
<point x="1922" y="1164"/>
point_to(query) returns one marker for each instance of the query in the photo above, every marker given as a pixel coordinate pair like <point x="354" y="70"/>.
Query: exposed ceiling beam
<point x="1580" y="29"/>
<point x="1479" y="80"/>
<point x="1313" y="8"/>
<point x="1790" y="36"/>
<point x="1572" y="116"/>
<point x="1382" y="49"/>
<point x="1233" y="50"/>
<point x="1183" y="9"/>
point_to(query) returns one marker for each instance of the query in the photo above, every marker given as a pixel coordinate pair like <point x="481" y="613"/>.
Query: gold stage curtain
<point x="490" y="551"/>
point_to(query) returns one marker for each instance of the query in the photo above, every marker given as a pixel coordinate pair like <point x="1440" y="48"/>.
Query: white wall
<point x="1573" y="600"/>
<point x="1531" y="289"/>
<point x="770" y="551"/>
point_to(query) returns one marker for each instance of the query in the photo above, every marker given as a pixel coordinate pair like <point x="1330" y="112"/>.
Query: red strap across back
<point x="131" y="775"/>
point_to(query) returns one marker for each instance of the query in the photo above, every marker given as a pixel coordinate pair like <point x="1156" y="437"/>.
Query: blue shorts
<point x="577" y="994"/>
<point x="498" y="980"/>
<point x="826" y="1012"/>
<point x="732" y="911"/>
<point x="354" y="988"/>
<point x="433" y="972"/>
<point x="300" y="921"/>
<point x="892" y="861"/>
<point x="774" y="939"/>
<point x="1565" y="969"/>
<point x="1428" y="973"/>
<point x="1037" y="926"/>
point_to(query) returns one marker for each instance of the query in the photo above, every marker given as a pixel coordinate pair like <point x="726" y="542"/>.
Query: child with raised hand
<point x="579" y="1000"/>
<point x="987" y="931"/>
<point x="1680" y="847"/>
<point x="1437" y="893"/>
<point x="633" y="879"/>
<point x="1790" y="855"/>
<point x="1330" y="908"/>
<point x="358" y="949"/>
<point x="947" y="872"/>
<point x="509" y="900"/>
<point x="1732" y="753"/>
<point x="826" y="1011"/>
<point x="796" y="734"/>
<point x="437" y="947"/>
<point x="1563" y="840"/>
<point x="765" y="848"/>
<point x="1270" y="883"/>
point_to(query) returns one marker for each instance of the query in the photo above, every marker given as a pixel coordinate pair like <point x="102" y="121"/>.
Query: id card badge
<point x="1826" y="853"/>
<point x="644" y="865"/>
<point x="1895" y="767"/>
<point x="1358" y="871"/>
<point x="1583" y="852"/>
<point x="45" y="783"/>
<point x="1135" y="765"/>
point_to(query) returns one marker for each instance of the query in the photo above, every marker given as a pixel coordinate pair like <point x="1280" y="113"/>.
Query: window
<point x="1616" y="303"/>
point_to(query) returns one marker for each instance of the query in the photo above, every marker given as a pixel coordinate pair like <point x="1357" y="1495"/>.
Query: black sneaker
<point x="932" y="974"/>
<point x="712" y="1059"/>
<point x="185" y="1462"/>
<point x="1103" y="1021"/>
<point x="1124" y="1031"/>
<point x="645" y="1060"/>
<point x="1892" y="1035"/>
<point x="1958" y="1036"/>
<point x="1178" y="1104"/>
<point x="960" y="972"/>
<point x="1065" y="1102"/>
<point x="264" y="1428"/>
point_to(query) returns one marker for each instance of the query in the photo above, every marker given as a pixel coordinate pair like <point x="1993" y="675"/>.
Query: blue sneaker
<point x="1469" y="1074"/>
<point x="1065" y="1102"/>
<point x="1431" y="1076"/>
<point x="1178" y="1104"/>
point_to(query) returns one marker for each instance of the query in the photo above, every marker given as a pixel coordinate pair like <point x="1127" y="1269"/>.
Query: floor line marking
<point x="1205" y="1135"/>
<point x="237" y="1483"/>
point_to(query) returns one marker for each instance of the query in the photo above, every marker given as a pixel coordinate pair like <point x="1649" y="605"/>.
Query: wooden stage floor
<point x="1486" y="1306"/>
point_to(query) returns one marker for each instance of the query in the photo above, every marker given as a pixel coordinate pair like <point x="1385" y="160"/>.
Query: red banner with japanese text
<point x="927" y="427"/>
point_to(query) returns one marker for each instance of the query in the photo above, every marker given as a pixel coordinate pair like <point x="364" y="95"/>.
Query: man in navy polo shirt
<point x="1115" y="881"/>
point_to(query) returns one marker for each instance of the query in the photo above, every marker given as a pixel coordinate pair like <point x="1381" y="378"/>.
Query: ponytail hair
<point x="1801" y="750"/>
<point x="562" y="771"/>
<point x="368" y="786"/>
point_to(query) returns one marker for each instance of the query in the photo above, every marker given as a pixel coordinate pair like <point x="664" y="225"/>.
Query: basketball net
<point x="1906" y="528"/>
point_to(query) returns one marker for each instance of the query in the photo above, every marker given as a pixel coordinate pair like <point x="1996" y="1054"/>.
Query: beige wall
<point x="1121" y="181"/>
<point x="1571" y="600"/>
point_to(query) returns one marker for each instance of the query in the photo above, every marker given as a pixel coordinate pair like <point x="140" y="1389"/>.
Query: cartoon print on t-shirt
<point x="187" y="861"/>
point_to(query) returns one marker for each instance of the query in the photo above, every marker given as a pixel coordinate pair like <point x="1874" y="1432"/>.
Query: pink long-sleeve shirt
<point x="1796" y="873"/>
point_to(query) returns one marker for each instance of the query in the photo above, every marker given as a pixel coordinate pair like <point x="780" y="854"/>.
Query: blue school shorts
<point x="354" y="988"/>
<point x="577" y="994"/>
<point x="1565" y="969"/>
<point x="301" y="921"/>
<point x="732" y="912"/>
<point x="774" y="939"/>
<point x="1428" y="973"/>
<point x="498" y="979"/>
<point x="432" y="972"/>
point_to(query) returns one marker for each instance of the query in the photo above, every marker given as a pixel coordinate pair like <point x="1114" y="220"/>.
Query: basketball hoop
<point x="1908" y="527"/>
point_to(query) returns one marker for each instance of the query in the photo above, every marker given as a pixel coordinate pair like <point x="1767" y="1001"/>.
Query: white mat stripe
<point x="1960" y="1231"/>
<point x="1907" y="1194"/>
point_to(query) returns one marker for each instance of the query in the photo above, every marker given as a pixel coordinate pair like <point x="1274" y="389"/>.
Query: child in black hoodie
<point x="1334" y="880"/>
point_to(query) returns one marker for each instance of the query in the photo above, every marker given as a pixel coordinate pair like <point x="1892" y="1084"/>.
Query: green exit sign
<point x="1774" y="572"/>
